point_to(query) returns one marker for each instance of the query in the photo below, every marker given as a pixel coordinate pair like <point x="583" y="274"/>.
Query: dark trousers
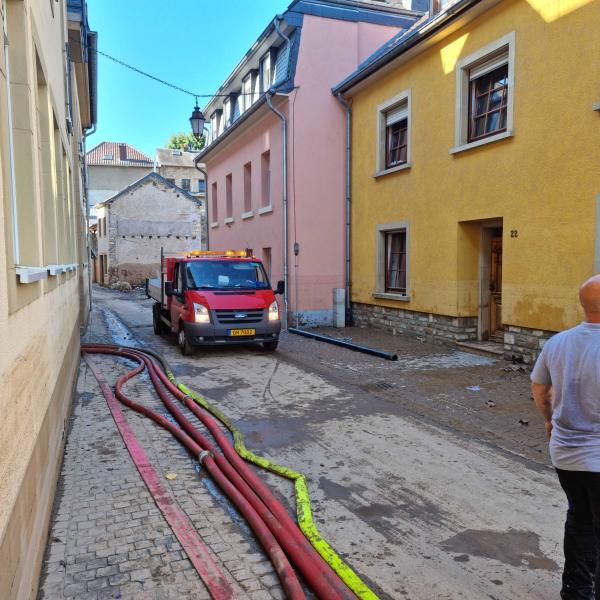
<point x="581" y="575"/>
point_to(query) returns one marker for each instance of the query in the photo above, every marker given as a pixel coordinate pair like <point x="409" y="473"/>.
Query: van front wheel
<point x="271" y="346"/>
<point x="184" y="345"/>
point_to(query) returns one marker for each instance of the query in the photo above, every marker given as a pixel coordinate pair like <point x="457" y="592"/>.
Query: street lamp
<point x="197" y="121"/>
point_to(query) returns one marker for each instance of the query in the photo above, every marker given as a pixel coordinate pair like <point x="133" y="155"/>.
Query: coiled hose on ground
<point x="274" y="528"/>
<point x="303" y="506"/>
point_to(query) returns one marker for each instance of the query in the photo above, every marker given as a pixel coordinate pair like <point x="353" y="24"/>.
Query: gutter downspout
<point x="346" y="105"/>
<point x="206" y="227"/>
<point x="269" y="95"/>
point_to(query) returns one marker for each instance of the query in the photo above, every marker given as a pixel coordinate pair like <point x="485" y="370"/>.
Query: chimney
<point x="122" y="152"/>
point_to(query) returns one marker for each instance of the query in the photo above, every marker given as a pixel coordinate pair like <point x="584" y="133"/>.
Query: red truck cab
<point x="210" y="297"/>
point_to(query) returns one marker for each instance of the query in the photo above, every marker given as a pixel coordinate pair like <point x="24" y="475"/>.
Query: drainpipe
<point x="346" y="105"/>
<point x="206" y="227"/>
<point x="278" y="20"/>
<point x="13" y="180"/>
<point x="284" y="199"/>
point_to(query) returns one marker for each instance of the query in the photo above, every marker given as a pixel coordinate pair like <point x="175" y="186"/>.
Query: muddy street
<point x="421" y="475"/>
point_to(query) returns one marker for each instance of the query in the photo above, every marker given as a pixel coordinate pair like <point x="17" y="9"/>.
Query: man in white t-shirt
<point x="566" y="390"/>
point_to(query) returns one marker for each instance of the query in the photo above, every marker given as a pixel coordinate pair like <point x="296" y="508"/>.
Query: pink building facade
<point x="279" y="98"/>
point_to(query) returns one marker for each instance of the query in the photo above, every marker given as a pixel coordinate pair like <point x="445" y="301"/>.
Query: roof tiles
<point x="118" y="154"/>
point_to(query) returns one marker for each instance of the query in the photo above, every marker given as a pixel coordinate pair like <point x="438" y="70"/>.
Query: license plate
<point x="241" y="332"/>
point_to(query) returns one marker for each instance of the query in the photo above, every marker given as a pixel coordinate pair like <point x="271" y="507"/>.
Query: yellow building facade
<point x="476" y="215"/>
<point x="47" y="102"/>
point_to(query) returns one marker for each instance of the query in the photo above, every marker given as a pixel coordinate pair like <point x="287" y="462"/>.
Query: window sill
<point x="390" y="296"/>
<point x="247" y="215"/>
<point x="483" y="142"/>
<point x="228" y="220"/>
<point x="265" y="209"/>
<point x="31" y="274"/>
<point x="392" y="170"/>
<point x="214" y="224"/>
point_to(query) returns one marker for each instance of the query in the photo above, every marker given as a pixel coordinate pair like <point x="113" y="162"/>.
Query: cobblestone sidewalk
<point x="108" y="539"/>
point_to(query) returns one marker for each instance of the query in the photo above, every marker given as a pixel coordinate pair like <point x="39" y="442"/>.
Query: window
<point x="229" y="197"/>
<point x="392" y="274"/>
<point x="247" y="91"/>
<point x="226" y="113"/>
<point x="266" y="70"/>
<point x="484" y="87"/>
<point x="265" y="178"/>
<point x="488" y="102"/>
<point x="214" y="203"/>
<point x="393" y="131"/>
<point x="201" y="186"/>
<point x="185" y="185"/>
<point x="170" y="180"/>
<point x="107" y="157"/>
<point x="266" y="260"/>
<point x="248" y="188"/>
<point x="396" y="145"/>
<point x="215" y="125"/>
<point x="235" y="108"/>
<point x="395" y="262"/>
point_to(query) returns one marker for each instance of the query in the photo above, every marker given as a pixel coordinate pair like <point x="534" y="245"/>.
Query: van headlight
<point x="274" y="311"/>
<point x="201" y="314"/>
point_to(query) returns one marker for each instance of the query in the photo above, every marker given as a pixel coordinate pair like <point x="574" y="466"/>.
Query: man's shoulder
<point x="562" y="336"/>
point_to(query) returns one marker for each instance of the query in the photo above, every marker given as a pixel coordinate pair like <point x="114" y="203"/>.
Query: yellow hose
<point x="303" y="508"/>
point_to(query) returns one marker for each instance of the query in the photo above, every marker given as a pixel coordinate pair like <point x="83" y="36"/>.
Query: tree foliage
<point x="185" y="141"/>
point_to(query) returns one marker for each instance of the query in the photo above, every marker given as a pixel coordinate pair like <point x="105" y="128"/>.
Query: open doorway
<point x="490" y="323"/>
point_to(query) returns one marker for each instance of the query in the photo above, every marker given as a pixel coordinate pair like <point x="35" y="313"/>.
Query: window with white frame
<point x="393" y="133"/>
<point x="266" y="72"/>
<point x="246" y="93"/>
<point x="226" y="113"/>
<point x="485" y="94"/>
<point x="392" y="260"/>
<point x="395" y="262"/>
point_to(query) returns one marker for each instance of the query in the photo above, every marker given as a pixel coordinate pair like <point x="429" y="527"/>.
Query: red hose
<point x="321" y="578"/>
<point x="324" y="575"/>
<point x="283" y="568"/>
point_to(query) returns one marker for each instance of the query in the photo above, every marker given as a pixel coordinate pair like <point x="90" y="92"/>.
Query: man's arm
<point x="542" y="395"/>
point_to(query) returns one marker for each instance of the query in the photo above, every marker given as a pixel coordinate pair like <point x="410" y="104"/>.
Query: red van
<point x="211" y="297"/>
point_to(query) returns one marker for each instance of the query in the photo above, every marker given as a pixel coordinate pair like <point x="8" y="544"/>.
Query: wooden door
<point x="496" y="326"/>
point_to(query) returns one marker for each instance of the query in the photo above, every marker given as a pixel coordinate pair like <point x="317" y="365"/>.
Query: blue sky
<point x="193" y="44"/>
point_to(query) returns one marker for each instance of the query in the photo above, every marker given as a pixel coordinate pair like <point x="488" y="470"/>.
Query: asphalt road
<point x="425" y="490"/>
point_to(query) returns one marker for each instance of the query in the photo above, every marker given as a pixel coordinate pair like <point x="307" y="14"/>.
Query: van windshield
<point x="226" y="275"/>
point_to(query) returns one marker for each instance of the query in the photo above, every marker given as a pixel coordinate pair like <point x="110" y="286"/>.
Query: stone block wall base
<point x="432" y="327"/>
<point x="524" y="345"/>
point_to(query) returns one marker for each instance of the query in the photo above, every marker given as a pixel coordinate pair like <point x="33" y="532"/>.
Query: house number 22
<point x="514" y="233"/>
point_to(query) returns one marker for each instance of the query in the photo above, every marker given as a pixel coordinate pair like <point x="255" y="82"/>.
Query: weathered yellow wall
<point x="543" y="181"/>
<point x="39" y="322"/>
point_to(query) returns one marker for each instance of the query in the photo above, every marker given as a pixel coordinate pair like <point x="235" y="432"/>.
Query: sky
<point x="192" y="44"/>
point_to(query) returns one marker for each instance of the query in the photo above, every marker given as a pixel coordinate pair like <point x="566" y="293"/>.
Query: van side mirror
<point x="280" y="289"/>
<point x="168" y="288"/>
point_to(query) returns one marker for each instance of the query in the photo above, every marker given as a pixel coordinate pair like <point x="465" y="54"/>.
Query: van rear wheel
<point x="157" y="323"/>
<point x="184" y="345"/>
<point x="271" y="346"/>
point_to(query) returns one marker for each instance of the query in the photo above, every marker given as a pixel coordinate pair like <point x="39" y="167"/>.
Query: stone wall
<point x="520" y="343"/>
<point x="143" y="220"/>
<point x="436" y="328"/>
<point x="524" y="345"/>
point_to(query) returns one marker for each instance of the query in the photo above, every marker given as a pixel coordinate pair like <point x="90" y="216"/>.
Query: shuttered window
<point x="395" y="262"/>
<point x="396" y="136"/>
<point x="488" y="101"/>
